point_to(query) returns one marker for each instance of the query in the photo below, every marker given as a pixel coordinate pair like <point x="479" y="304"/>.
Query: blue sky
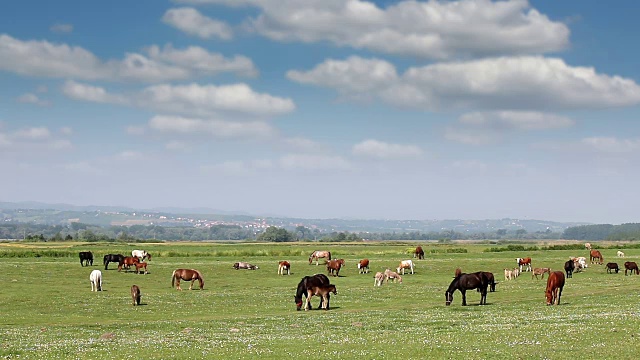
<point x="324" y="108"/>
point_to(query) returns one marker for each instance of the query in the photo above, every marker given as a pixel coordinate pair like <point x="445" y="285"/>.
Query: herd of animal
<point x="320" y="286"/>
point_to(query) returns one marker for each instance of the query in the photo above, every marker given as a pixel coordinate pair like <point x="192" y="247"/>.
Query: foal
<point x="141" y="265"/>
<point x="323" y="291"/>
<point x="135" y="294"/>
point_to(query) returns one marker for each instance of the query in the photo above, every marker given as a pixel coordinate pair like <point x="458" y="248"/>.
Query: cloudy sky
<point x="388" y="109"/>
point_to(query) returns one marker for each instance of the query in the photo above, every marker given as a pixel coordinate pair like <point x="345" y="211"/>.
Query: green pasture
<point x="48" y="311"/>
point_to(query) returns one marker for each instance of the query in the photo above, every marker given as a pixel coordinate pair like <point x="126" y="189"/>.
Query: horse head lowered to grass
<point x="186" y="275"/>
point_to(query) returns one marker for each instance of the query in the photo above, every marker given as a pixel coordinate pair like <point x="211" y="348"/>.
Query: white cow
<point x="96" y="280"/>
<point x="405" y="264"/>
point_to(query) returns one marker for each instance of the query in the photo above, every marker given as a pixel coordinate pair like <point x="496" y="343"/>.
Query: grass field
<point x="48" y="311"/>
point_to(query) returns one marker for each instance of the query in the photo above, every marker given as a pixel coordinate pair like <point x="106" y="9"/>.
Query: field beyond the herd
<point x="48" y="311"/>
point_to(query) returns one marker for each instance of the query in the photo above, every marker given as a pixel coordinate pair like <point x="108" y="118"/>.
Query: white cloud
<point x="45" y="59"/>
<point x="200" y="60"/>
<point x="32" y="133"/>
<point x="470" y="136"/>
<point x="193" y="22"/>
<point x="175" y="145"/>
<point x="431" y="29"/>
<point x="314" y="162"/>
<point x="304" y="144"/>
<point x="516" y="120"/>
<point x="66" y="130"/>
<point x="61" y="28"/>
<point x="135" y="130"/>
<point x="514" y="83"/>
<point x="79" y="91"/>
<point x="216" y="128"/>
<point x="32" y="139"/>
<point x="129" y="155"/>
<point x="607" y="144"/>
<point x="382" y="150"/>
<point x="30" y="98"/>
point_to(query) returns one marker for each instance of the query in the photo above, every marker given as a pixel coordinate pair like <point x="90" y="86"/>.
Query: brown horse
<point x="419" y="253"/>
<point x="631" y="266"/>
<point x="612" y="267"/>
<point x="284" y="266"/>
<point x="319" y="254"/>
<point x="186" y="275"/>
<point x="363" y="266"/>
<point x="322" y="291"/>
<point x="334" y="266"/>
<point x="135" y="294"/>
<point x="127" y="262"/>
<point x="540" y="271"/>
<point x="596" y="257"/>
<point x="141" y="265"/>
<point x="555" y="283"/>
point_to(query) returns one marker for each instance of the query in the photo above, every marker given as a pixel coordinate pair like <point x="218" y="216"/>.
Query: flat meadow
<point x="47" y="310"/>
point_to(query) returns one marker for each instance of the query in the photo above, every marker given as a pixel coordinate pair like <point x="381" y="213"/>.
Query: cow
<point x="524" y="263"/>
<point x="405" y="264"/>
<point x="363" y="266"/>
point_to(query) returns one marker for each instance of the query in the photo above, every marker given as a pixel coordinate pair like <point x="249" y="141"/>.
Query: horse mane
<point x="458" y="273"/>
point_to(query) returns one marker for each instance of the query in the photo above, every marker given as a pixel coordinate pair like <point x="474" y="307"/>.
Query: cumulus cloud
<point x="193" y="22"/>
<point x="28" y="139"/>
<point x="46" y="59"/>
<point x="431" y="29"/>
<point x="382" y="150"/>
<point x="30" y="98"/>
<point x="215" y="128"/>
<point x="192" y="99"/>
<point x="514" y="83"/>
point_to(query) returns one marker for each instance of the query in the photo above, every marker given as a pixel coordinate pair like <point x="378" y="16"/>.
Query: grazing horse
<point x="127" y="262"/>
<point x="388" y="274"/>
<point x="322" y="291"/>
<point x="620" y="253"/>
<point x="508" y="274"/>
<point x="587" y="246"/>
<point x="117" y="258"/>
<point x="135" y="294"/>
<point x="405" y="264"/>
<point x="464" y="282"/>
<point x="491" y="280"/>
<point x="141" y="254"/>
<point x="516" y="272"/>
<point x="141" y="265"/>
<point x="319" y="254"/>
<point x="596" y="257"/>
<point x="540" y="271"/>
<point x="378" y="279"/>
<point x="245" y="265"/>
<point x="334" y="266"/>
<point x="419" y="253"/>
<point x="284" y="266"/>
<point x="307" y="282"/>
<point x="612" y="267"/>
<point x="363" y="266"/>
<point x="96" y="280"/>
<point x="524" y="263"/>
<point x="569" y="266"/>
<point x="631" y="266"/>
<point x="186" y="275"/>
<point x="86" y="258"/>
<point x="555" y="283"/>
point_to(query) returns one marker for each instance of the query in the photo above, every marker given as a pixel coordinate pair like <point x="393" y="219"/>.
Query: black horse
<point x="464" y="282"/>
<point x="308" y="281"/>
<point x="569" y="267"/>
<point x="117" y="258"/>
<point x="491" y="281"/>
<point x="86" y="258"/>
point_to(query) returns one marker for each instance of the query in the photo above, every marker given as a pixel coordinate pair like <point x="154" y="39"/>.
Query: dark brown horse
<point x="306" y="283"/>
<point x="555" y="283"/>
<point x="419" y="253"/>
<point x="612" y="267"/>
<point x="135" y="294"/>
<point x="491" y="280"/>
<point x="569" y="266"/>
<point x="117" y="258"/>
<point x="596" y="257"/>
<point x="86" y="258"/>
<point x="334" y="266"/>
<point x="186" y="275"/>
<point x="127" y="262"/>
<point x="464" y="282"/>
<point x="321" y="291"/>
<point x="631" y="266"/>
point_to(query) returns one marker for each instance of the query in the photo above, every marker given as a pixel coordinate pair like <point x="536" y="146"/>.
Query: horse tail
<point x="173" y="277"/>
<point x="458" y="272"/>
<point x="329" y="254"/>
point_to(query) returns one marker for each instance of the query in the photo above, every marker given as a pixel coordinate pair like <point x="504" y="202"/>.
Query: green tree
<point x="275" y="234"/>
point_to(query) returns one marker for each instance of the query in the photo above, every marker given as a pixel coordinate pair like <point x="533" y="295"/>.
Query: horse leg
<point x="178" y="283"/>
<point x="464" y="297"/>
<point x="559" y="294"/>
<point x="191" y="286"/>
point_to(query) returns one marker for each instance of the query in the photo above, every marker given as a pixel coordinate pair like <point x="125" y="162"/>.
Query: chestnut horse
<point x="135" y="294"/>
<point x="319" y="254"/>
<point x="127" y="262"/>
<point x="363" y="266"/>
<point x="464" y="282"/>
<point x="186" y="275"/>
<point x="284" y="266"/>
<point x="596" y="256"/>
<point x="306" y="283"/>
<point x="419" y="253"/>
<point x="631" y="266"/>
<point x="321" y="291"/>
<point x="141" y="265"/>
<point x="555" y="283"/>
<point x="334" y="266"/>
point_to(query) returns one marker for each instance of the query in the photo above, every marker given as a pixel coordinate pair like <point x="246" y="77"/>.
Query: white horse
<point x="141" y="254"/>
<point x="96" y="280"/>
<point x="620" y="254"/>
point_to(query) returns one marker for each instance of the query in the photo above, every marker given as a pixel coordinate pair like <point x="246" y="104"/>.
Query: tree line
<point x="630" y="231"/>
